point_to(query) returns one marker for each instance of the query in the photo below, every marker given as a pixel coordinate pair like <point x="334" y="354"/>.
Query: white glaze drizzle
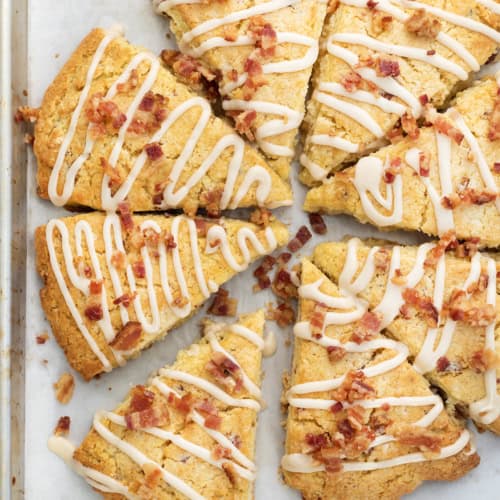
<point x="113" y="241"/>
<point x="172" y="195"/>
<point x="291" y="118"/>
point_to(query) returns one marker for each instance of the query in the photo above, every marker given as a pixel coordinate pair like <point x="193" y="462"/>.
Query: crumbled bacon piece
<point x="423" y="305"/>
<point x="264" y="36"/>
<point x="130" y="84"/>
<point x="382" y="259"/>
<point x="219" y="452"/>
<point x="459" y="308"/>
<point x="381" y="21"/>
<point x="410" y="127"/>
<point x="243" y="123"/>
<point x="371" y="4"/>
<point x="420" y="437"/>
<point x="26" y="114"/>
<point x="335" y="353"/>
<point x="152" y="478"/>
<point x="283" y="286"/>
<point x="125" y="215"/>
<point x="442" y="364"/>
<point x="483" y="360"/>
<point x="210" y="414"/>
<point x="114" y="175"/>
<point x="468" y="248"/>
<point x="64" y="388"/>
<point x="301" y="238"/>
<point x="223" y="304"/>
<point x="154" y="416"/>
<point x="95" y="287"/>
<point x="153" y="151"/>
<point x="139" y="269"/>
<point x="255" y="77"/>
<point x="424" y="99"/>
<point x="448" y="241"/>
<point x="354" y="388"/>
<point x="102" y="112"/>
<point x="189" y="69"/>
<point x="423" y="164"/>
<point x="151" y="114"/>
<point x="212" y="201"/>
<point x="183" y="404"/>
<point x="392" y="170"/>
<point x="431" y="52"/>
<point x="496" y="167"/>
<point x="225" y="371"/>
<point x="423" y="24"/>
<point x="169" y="241"/>
<point x="395" y="135"/>
<point x="261" y="217"/>
<point x="119" y="260"/>
<point x="317" y="223"/>
<point x="283" y="314"/>
<point x="446" y="127"/>
<point x="367" y="327"/>
<point x="386" y="67"/>
<point x="94" y="312"/>
<point x="284" y="258"/>
<point x="42" y="338"/>
<point x="62" y="427"/>
<point x="128" y="337"/>
<point x="336" y="407"/>
<point x="351" y="81"/>
<point x="317" y="321"/>
<point x="263" y="280"/>
<point x="140" y="399"/>
<point x="467" y="196"/>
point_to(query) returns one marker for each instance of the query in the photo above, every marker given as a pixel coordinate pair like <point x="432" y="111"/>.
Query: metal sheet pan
<point x="38" y="36"/>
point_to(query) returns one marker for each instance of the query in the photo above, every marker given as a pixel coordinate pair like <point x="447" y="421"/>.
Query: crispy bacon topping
<point x="424" y="99"/>
<point x="264" y="36"/>
<point x="212" y="200"/>
<point x="223" y="304"/>
<point x="459" y="308"/>
<point x="351" y="81"/>
<point x="494" y="120"/>
<point x="261" y="273"/>
<point x="261" y="217"/>
<point x="381" y="21"/>
<point x="467" y="196"/>
<point x="255" y="77"/>
<point x="244" y="121"/>
<point x="483" y="360"/>
<point x="62" y="427"/>
<point x="114" y="175"/>
<point x="139" y="269"/>
<point x="410" y="127"/>
<point x="64" y="388"/>
<point x="125" y="299"/>
<point x="183" y="404"/>
<point x="283" y="286"/>
<point x="152" y="478"/>
<point x="154" y="151"/>
<point x="354" y="388"/>
<point x="42" y="338"/>
<point x="128" y="337"/>
<point x="423" y="24"/>
<point x="151" y="114"/>
<point x="225" y="371"/>
<point x="448" y="241"/>
<point x="420" y="437"/>
<point x="335" y="353"/>
<point x="140" y="398"/>
<point x="317" y="320"/>
<point x="392" y="170"/>
<point x="423" y="164"/>
<point x="301" y="238"/>
<point x="317" y="223"/>
<point x="94" y="312"/>
<point x="283" y="314"/>
<point x="386" y="67"/>
<point x="446" y="127"/>
<point x="367" y="327"/>
<point x="95" y="287"/>
<point x="125" y="215"/>
<point x="130" y="84"/>
<point x="154" y="416"/>
<point x="26" y="114"/>
<point x="104" y="114"/>
<point x="442" y="364"/>
<point x="423" y="305"/>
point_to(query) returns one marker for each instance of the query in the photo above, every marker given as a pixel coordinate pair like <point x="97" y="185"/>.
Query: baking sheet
<point x="54" y="30"/>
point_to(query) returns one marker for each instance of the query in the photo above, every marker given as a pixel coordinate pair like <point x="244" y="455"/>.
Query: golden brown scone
<point x="110" y="292"/>
<point x="116" y="125"/>
<point x="381" y="63"/>
<point x="264" y="54"/>
<point x="175" y="438"/>
<point x="443" y="306"/>
<point x="368" y="424"/>
<point x="448" y="178"/>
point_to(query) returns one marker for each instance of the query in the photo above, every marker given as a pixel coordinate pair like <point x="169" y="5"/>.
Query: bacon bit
<point x="301" y="238"/>
<point x="212" y="200"/>
<point x="386" y="67"/>
<point x="223" y="305"/>
<point x="264" y="36"/>
<point x="392" y="170"/>
<point x="261" y="217"/>
<point x="207" y="407"/>
<point x="42" y="338"/>
<point x="468" y="248"/>
<point x="431" y="52"/>
<point x="128" y="337"/>
<point x="26" y="114"/>
<point x="225" y="371"/>
<point x="423" y="305"/>
<point x="444" y="126"/>
<point x="130" y="84"/>
<point x="63" y="426"/>
<point x="125" y="215"/>
<point x="351" y="81"/>
<point x="442" y="364"/>
<point x="267" y="264"/>
<point x="335" y="353"/>
<point x="139" y="269"/>
<point x="104" y="112"/>
<point x="115" y="179"/>
<point x="169" y="241"/>
<point x="484" y="360"/>
<point x="395" y="135"/>
<point x="220" y="452"/>
<point x="409" y="126"/>
<point x="336" y="407"/>
<point x="243" y="123"/>
<point x="148" y="102"/>
<point x="448" y="241"/>
<point x="95" y="287"/>
<point x="189" y="69"/>
<point x="125" y="299"/>
<point x="332" y="464"/>
<point x="155" y="416"/>
<point x="141" y="398"/>
<point x="424" y="99"/>
<point x="94" y="312"/>
<point x="354" y="388"/>
<point x="496" y="167"/>
<point x="152" y="476"/>
<point x="368" y="326"/>
<point x="283" y="314"/>
<point x="151" y="114"/>
<point x="382" y="259"/>
<point x="255" y="78"/>
<point x="283" y="286"/>
<point x="284" y="258"/>
<point x="184" y="404"/>
<point x="423" y="24"/>
<point x="458" y="308"/>
<point x="381" y="21"/>
<point x="317" y="320"/>
<point x="64" y="388"/>
<point x="371" y="4"/>
<point x="201" y="227"/>
<point x="119" y="260"/>
<point x="466" y="197"/>
<point x="228" y="469"/>
<point x="317" y="223"/>
<point x="154" y="151"/>
<point x="419" y="437"/>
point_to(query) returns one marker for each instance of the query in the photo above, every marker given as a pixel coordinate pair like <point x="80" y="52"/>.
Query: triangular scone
<point x="447" y="179"/>
<point x="382" y="61"/>
<point x="116" y="125"/>
<point x="190" y="432"/>
<point x="264" y="53"/>
<point x="446" y="309"/>
<point x="362" y="423"/>
<point x="110" y="292"/>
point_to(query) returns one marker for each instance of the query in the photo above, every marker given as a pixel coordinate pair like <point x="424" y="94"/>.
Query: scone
<point x="113" y="287"/>
<point x="443" y="306"/>
<point x="188" y="433"/>
<point x="263" y="53"/>
<point x="446" y="178"/>
<point x="362" y="422"/>
<point x="380" y="63"/>
<point x="116" y="126"/>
